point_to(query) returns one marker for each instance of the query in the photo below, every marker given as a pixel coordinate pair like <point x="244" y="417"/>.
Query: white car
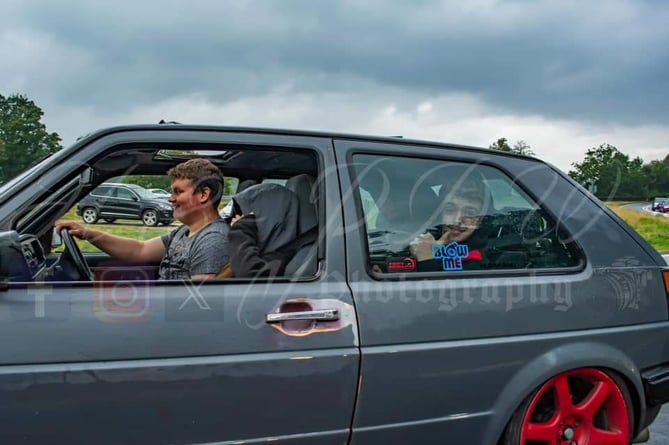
<point x="161" y="193"/>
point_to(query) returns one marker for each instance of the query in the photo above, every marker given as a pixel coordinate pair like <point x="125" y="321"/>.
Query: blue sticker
<point x="451" y="254"/>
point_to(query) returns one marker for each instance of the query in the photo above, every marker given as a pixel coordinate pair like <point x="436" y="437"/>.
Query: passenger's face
<point x="186" y="201"/>
<point x="461" y="216"/>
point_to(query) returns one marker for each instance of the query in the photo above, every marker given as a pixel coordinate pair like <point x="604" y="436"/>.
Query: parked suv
<point x="112" y="201"/>
<point x="429" y="293"/>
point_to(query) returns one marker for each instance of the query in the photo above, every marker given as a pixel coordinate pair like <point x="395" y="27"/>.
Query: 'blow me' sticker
<point x="451" y="254"/>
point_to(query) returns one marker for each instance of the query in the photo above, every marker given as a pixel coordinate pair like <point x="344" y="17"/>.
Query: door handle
<point x="319" y="315"/>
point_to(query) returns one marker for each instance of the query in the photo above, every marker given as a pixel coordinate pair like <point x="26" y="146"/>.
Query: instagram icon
<point x="122" y="296"/>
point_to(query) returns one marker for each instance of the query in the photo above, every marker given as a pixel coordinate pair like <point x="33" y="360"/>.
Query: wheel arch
<point x="555" y="361"/>
<point x="93" y="206"/>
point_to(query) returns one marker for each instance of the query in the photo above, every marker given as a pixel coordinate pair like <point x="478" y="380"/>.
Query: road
<point x="659" y="430"/>
<point x="644" y="207"/>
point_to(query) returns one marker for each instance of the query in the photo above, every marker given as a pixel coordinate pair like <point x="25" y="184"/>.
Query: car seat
<point x="305" y="260"/>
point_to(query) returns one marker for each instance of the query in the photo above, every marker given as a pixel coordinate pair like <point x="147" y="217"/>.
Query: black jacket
<point x="246" y="258"/>
<point x="270" y="222"/>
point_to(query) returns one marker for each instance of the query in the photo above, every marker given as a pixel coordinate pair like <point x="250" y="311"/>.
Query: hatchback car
<point x="439" y="294"/>
<point x="112" y="201"/>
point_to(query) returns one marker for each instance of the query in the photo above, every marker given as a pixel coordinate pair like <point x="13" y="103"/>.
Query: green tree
<point x="149" y="181"/>
<point x="501" y="144"/>
<point x="521" y="147"/>
<point x="23" y="137"/>
<point x="610" y="174"/>
<point x="657" y="174"/>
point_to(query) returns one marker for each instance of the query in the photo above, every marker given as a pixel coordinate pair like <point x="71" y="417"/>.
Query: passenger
<point x="456" y="243"/>
<point x="196" y="250"/>
<point x="265" y="220"/>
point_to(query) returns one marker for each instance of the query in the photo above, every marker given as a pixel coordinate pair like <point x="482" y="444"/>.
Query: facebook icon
<point x="39" y="303"/>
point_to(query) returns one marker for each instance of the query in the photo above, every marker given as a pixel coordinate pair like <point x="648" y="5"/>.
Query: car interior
<point x="519" y="233"/>
<point x="32" y="252"/>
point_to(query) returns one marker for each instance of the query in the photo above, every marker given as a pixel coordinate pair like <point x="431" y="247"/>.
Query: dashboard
<point x="22" y="257"/>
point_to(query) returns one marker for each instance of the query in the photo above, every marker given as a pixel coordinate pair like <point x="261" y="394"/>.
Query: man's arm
<point x="126" y="249"/>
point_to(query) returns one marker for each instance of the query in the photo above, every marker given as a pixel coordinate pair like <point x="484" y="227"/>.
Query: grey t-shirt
<point x="204" y="253"/>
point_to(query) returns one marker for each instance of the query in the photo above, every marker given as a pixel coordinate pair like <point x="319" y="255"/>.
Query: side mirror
<point x="56" y="239"/>
<point x="86" y="177"/>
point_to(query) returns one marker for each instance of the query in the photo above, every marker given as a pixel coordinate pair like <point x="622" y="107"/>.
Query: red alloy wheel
<point x="579" y="407"/>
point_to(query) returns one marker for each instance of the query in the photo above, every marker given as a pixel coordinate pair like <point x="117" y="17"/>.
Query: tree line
<point x="606" y="171"/>
<point x="609" y="173"/>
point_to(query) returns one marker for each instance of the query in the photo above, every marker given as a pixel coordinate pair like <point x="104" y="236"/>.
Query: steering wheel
<point x="72" y="261"/>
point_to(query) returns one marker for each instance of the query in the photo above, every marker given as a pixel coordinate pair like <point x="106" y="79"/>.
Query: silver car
<point x="530" y="314"/>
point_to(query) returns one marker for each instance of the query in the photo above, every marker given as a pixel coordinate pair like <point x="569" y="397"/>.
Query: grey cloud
<point x="589" y="61"/>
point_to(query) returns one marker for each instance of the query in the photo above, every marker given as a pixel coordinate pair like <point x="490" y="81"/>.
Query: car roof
<point x="118" y="184"/>
<point x="291" y="132"/>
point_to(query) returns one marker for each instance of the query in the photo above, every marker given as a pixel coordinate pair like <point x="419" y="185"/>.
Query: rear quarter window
<point x="426" y="215"/>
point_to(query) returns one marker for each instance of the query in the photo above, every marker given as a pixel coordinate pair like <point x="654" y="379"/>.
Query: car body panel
<point x="187" y="363"/>
<point x="450" y="334"/>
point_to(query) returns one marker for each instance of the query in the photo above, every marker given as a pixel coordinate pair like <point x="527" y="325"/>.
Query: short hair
<point x="469" y="185"/>
<point x="203" y="174"/>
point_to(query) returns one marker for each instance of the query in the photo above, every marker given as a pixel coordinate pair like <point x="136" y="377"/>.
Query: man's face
<point x="462" y="216"/>
<point x="186" y="201"/>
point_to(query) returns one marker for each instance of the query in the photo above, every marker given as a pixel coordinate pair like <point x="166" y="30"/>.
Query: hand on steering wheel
<point x="72" y="261"/>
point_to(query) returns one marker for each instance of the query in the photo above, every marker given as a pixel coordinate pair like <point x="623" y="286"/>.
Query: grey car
<point x="548" y="323"/>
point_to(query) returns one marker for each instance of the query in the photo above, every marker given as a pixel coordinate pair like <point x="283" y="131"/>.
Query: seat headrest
<point x="246" y="183"/>
<point x="303" y="186"/>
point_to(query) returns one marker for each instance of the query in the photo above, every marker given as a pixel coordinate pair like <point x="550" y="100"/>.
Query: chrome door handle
<point x="320" y="315"/>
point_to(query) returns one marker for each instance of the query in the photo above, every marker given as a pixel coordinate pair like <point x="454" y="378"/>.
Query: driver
<point x="198" y="249"/>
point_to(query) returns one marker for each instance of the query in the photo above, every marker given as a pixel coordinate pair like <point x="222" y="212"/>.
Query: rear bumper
<point x="656" y="384"/>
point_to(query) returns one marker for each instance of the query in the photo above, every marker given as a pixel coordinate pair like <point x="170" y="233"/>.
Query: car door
<point x="448" y="338"/>
<point x="141" y="361"/>
<point x="127" y="203"/>
<point x="104" y="198"/>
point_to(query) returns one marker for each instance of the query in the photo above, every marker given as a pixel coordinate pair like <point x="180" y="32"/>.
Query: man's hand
<point x="75" y="229"/>
<point x="238" y="217"/>
<point x="421" y="246"/>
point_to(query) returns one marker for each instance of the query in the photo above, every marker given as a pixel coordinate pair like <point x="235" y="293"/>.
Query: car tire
<point x="576" y="405"/>
<point x="90" y="215"/>
<point x="150" y="217"/>
<point x="110" y="220"/>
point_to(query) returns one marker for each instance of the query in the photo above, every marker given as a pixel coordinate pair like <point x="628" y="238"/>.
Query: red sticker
<point x="399" y="264"/>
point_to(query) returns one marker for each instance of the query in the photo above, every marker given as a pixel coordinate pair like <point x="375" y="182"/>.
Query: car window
<point x="425" y="215"/>
<point x="152" y="217"/>
<point x="124" y="193"/>
<point x="103" y="191"/>
<point x="274" y="181"/>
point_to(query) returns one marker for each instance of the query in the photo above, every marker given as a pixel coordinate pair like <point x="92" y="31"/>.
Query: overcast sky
<point x="563" y="76"/>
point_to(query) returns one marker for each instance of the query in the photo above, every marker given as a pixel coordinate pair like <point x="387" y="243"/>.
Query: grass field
<point x="654" y="228"/>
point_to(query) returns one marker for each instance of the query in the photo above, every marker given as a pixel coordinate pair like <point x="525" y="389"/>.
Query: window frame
<point x="572" y="245"/>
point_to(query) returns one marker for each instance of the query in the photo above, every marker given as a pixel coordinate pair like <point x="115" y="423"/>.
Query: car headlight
<point x="165" y="206"/>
